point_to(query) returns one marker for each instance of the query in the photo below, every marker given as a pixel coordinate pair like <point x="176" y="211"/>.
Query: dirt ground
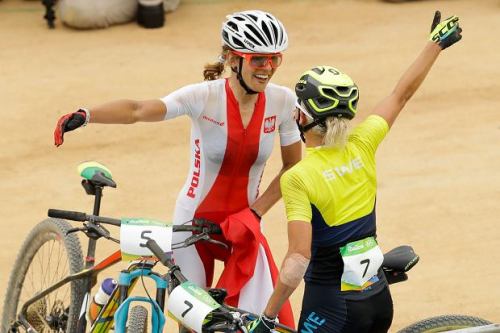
<point x="439" y="168"/>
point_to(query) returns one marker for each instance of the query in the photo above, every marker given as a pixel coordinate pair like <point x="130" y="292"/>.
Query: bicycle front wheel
<point x="444" y="324"/>
<point x="47" y="255"/>
<point x="138" y="320"/>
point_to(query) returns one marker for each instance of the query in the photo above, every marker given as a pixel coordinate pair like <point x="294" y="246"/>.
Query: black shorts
<point x="327" y="310"/>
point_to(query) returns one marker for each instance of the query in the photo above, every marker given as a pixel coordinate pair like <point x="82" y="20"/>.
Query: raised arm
<point x="123" y="111"/>
<point x="443" y="34"/>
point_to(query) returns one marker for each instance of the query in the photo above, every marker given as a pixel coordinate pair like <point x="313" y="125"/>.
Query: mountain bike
<point x="49" y="288"/>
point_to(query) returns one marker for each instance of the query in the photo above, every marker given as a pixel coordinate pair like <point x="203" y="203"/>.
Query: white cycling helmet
<point x="254" y="31"/>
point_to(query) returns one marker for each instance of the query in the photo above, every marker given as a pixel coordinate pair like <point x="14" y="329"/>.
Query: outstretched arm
<point x="117" y="112"/>
<point x="443" y="34"/>
<point x="127" y="111"/>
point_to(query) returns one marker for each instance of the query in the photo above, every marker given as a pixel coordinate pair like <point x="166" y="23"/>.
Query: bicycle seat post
<point x="97" y="200"/>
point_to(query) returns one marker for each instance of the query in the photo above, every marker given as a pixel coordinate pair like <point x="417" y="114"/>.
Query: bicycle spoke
<point x="49" y="266"/>
<point x="56" y="276"/>
<point x="45" y="259"/>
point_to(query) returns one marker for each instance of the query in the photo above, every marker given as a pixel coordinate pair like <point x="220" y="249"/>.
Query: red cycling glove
<point x="68" y="123"/>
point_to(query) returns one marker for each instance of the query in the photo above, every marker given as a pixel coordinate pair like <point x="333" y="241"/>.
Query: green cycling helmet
<point x="325" y="91"/>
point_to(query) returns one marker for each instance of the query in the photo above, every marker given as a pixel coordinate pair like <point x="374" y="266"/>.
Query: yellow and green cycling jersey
<point x="335" y="190"/>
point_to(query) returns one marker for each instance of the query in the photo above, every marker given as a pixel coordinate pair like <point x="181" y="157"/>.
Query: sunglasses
<point x="260" y="61"/>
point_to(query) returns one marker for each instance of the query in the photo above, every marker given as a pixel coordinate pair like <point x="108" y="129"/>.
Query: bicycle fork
<point x="157" y="305"/>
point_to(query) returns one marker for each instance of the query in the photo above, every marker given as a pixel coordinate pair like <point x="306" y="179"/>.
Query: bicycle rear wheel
<point x="444" y="323"/>
<point x="47" y="255"/>
<point x="138" y="320"/>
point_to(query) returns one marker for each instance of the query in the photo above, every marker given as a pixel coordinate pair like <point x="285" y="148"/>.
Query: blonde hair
<point x="334" y="132"/>
<point x="337" y="130"/>
<point x="214" y="71"/>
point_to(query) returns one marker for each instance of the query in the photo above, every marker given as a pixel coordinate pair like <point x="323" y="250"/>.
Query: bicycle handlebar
<point x="82" y="217"/>
<point x="200" y="225"/>
<point x="67" y="214"/>
<point x="231" y="319"/>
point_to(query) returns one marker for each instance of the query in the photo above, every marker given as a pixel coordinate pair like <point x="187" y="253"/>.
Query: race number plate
<point x="190" y="305"/>
<point x="362" y="260"/>
<point x="134" y="233"/>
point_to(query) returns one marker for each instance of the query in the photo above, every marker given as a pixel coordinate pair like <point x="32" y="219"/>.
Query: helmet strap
<point x="303" y="129"/>
<point x="241" y="81"/>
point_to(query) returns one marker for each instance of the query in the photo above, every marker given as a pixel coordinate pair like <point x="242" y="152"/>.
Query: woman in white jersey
<point x="234" y="122"/>
<point x="330" y="200"/>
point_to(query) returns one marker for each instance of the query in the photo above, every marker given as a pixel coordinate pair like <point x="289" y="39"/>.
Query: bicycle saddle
<point x="401" y="258"/>
<point x="96" y="174"/>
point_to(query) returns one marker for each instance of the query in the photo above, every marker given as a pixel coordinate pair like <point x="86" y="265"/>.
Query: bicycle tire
<point x="138" y="320"/>
<point x="444" y="323"/>
<point x="49" y="235"/>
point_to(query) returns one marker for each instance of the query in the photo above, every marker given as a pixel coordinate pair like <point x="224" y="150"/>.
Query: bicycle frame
<point x="88" y="276"/>
<point x="116" y="309"/>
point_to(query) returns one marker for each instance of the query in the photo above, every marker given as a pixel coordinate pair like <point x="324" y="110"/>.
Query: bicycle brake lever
<point x="205" y="237"/>
<point x="213" y="241"/>
<point x="117" y="241"/>
<point x="72" y="230"/>
<point x="194" y="238"/>
<point x="106" y="233"/>
<point x="95" y="231"/>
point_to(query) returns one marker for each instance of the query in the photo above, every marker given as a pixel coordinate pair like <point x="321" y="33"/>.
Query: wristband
<point x="87" y="116"/>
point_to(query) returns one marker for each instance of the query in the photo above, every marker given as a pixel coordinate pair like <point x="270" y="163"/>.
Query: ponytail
<point x="214" y="71"/>
<point x="336" y="131"/>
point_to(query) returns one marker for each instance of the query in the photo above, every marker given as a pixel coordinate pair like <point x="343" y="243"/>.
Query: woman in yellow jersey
<point x="330" y="200"/>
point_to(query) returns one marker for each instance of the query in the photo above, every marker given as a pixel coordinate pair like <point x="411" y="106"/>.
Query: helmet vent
<point x="238" y="43"/>
<point x="333" y="71"/>
<point x="329" y="92"/>
<point x="253" y="40"/>
<point x="255" y="32"/>
<point x="275" y="31"/>
<point x="342" y="106"/>
<point x="239" y="18"/>
<point x="253" y="17"/>
<point x="284" y="38"/>
<point x="318" y="70"/>
<point x="342" y="90"/>
<point x="232" y="25"/>
<point x="266" y="31"/>
<point x="322" y="102"/>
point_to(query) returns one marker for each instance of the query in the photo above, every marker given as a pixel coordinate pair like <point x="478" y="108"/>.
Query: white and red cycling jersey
<point x="227" y="162"/>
